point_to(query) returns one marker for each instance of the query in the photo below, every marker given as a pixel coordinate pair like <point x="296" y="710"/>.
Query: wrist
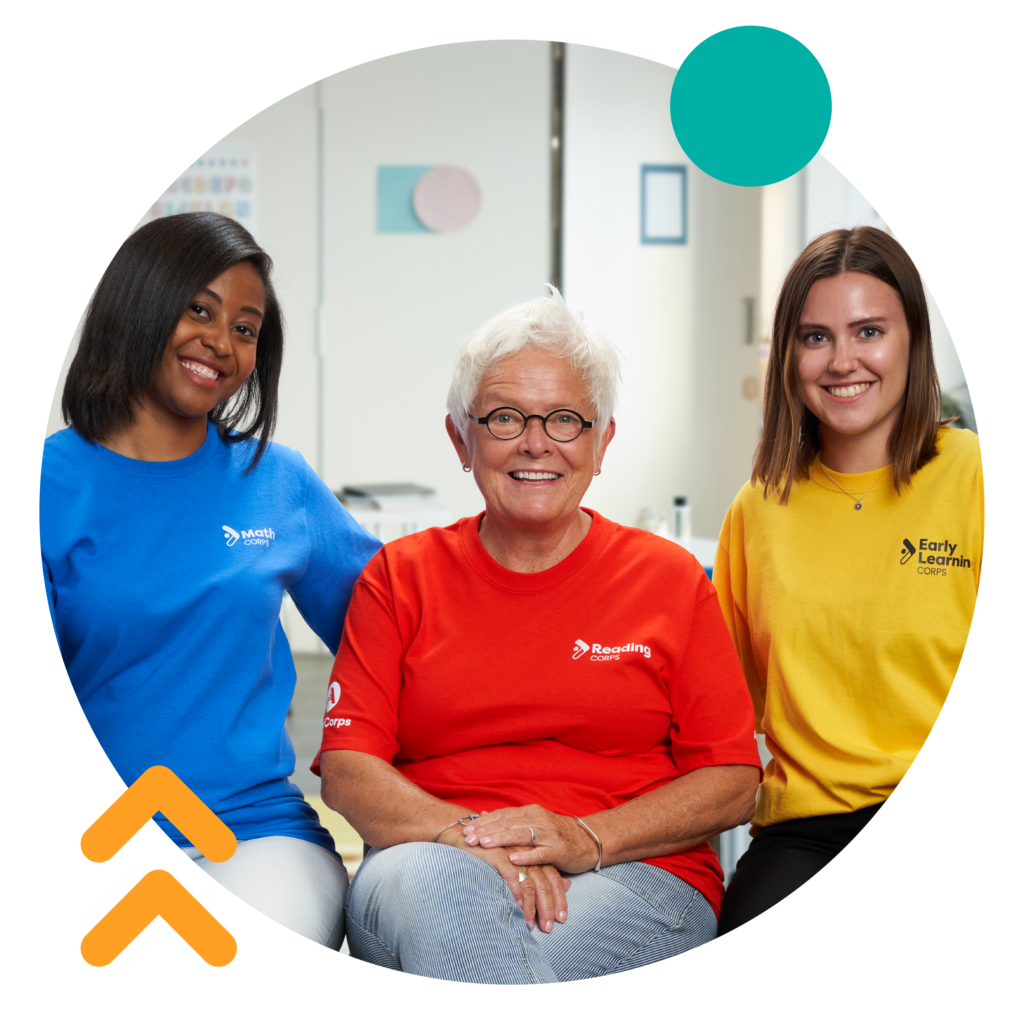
<point x="451" y="833"/>
<point x="597" y="843"/>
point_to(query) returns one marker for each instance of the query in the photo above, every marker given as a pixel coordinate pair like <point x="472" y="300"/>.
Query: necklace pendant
<point x="858" y="506"/>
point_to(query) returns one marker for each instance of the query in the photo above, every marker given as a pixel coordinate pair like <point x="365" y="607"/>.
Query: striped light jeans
<point x="437" y="911"/>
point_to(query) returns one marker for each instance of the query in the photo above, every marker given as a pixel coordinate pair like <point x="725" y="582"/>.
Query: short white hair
<point x="543" y="323"/>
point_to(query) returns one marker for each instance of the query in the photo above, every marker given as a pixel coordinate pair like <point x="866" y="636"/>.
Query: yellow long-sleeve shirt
<point x="850" y="624"/>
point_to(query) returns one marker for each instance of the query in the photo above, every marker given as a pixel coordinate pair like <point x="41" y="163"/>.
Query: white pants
<point x="296" y="883"/>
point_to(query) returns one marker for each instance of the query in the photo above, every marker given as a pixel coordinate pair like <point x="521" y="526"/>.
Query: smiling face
<point x="852" y="357"/>
<point x="212" y="351"/>
<point x="532" y="481"/>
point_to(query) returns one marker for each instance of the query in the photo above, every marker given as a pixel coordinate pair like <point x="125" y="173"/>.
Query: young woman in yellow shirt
<point x="848" y="567"/>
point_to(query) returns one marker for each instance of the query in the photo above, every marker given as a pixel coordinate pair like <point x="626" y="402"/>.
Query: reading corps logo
<point x="333" y="696"/>
<point x="600" y="653"/>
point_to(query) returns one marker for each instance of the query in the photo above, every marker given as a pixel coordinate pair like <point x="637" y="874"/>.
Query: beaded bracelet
<point x="461" y="821"/>
<point x="600" y="845"/>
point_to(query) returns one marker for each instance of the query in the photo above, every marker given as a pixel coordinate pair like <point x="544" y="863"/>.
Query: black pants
<point x="782" y="857"/>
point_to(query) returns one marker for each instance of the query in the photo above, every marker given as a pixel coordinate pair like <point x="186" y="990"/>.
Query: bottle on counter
<point x="681" y="524"/>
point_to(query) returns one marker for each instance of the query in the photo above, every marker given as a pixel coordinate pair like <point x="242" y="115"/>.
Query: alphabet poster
<point x="222" y="180"/>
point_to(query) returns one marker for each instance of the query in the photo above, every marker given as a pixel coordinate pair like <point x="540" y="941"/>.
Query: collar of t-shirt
<point x="597" y="538"/>
<point x="111" y="461"/>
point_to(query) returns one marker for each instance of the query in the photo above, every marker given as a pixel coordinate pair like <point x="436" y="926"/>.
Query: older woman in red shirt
<point x="536" y="715"/>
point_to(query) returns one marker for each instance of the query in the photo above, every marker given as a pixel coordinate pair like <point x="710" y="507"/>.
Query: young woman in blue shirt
<point x="171" y="527"/>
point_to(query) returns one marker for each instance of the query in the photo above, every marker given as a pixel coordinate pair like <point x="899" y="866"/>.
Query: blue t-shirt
<point x="165" y="582"/>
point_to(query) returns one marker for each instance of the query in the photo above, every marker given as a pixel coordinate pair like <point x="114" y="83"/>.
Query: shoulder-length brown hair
<point x="791" y="439"/>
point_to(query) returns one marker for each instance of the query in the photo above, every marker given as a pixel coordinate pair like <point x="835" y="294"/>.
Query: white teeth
<point x="203" y="371"/>
<point x="855" y="389"/>
<point x="523" y="474"/>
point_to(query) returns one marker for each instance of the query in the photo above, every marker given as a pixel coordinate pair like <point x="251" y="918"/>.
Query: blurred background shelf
<point x="388" y="524"/>
<point x="389" y="511"/>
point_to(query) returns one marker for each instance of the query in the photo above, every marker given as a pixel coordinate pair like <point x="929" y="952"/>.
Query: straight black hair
<point x="133" y="313"/>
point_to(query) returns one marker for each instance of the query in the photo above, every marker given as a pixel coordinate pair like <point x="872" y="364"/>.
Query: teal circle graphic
<point x="751" y="105"/>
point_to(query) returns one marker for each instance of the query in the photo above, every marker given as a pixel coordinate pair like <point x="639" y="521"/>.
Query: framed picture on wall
<point x="663" y="204"/>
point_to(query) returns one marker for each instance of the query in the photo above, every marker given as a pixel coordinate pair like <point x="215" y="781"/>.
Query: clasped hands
<point x="556" y="844"/>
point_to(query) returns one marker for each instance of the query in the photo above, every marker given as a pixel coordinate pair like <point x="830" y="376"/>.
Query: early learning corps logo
<point x="933" y="556"/>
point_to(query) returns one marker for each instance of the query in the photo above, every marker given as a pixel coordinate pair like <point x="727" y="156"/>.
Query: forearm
<point x="679" y="815"/>
<point x="383" y="806"/>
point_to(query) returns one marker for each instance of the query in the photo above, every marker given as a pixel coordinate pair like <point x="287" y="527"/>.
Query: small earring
<point x="597" y="472"/>
<point x="467" y="469"/>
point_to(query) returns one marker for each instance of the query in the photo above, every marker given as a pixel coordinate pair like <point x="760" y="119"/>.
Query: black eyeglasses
<point x="507" y="423"/>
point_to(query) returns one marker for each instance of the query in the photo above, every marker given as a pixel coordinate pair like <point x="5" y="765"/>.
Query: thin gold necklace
<point x="858" y="503"/>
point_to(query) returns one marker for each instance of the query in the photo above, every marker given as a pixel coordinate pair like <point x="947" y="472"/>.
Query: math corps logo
<point x="251" y="538"/>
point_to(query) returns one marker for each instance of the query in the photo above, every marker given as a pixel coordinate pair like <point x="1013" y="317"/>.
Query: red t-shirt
<point x="577" y="688"/>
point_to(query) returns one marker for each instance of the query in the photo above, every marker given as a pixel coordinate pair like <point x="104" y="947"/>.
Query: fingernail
<point x="519" y="904"/>
<point x="561" y="915"/>
<point x="486" y="841"/>
<point x="515" y="857"/>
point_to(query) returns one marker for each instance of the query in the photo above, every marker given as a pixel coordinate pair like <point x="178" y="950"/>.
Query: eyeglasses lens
<point x="564" y="426"/>
<point x="561" y="425"/>
<point x="506" y="423"/>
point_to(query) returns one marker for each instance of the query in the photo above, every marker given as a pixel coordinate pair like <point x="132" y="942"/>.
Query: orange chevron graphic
<point x="158" y="789"/>
<point x="159" y="893"/>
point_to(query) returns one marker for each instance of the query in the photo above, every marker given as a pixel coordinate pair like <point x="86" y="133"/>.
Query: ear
<point x="457" y="441"/>
<point x="606" y="438"/>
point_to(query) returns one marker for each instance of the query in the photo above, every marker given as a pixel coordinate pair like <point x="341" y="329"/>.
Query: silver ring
<point x="533" y="837"/>
<point x="523" y="876"/>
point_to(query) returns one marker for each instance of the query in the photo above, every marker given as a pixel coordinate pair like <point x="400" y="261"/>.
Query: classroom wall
<point x="676" y="312"/>
<point x="397" y="306"/>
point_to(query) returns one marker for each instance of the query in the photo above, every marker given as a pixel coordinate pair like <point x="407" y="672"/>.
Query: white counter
<point x="701" y="548"/>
